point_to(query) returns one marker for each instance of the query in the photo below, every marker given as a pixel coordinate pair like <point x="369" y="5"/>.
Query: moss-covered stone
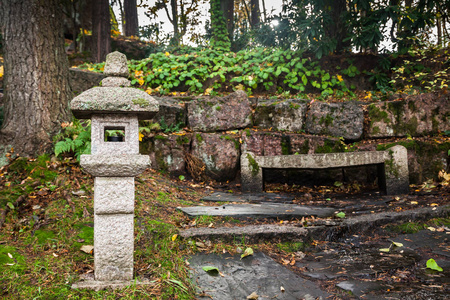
<point x="141" y="102"/>
<point x="253" y="164"/>
<point x="326" y="120"/>
<point x="429" y="156"/>
<point x="160" y="137"/>
<point x="330" y="146"/>
<point x="285" y="145"/>
<point x="182" y="140"/>
<point x="377" y="115"/>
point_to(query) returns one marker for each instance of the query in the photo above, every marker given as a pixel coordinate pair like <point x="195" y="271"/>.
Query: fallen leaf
<point x="385" y="249"/>
<point x="253" y="296"/>
<point x="431" y="264"/>
<point x="87" y="249"/>
<point x="200" y="244"/>
<point x="431" y="229"/>
<point x="247" y="252"/>
<point x="174" y="237"/>
<point x="414" y="202"/>
<point x="340" y="215"/>
<point x="396" y="244"/>
<point x="211" y="269"/>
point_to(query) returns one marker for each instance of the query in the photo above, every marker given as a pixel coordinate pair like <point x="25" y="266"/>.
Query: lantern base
<point x="96" y="285"/>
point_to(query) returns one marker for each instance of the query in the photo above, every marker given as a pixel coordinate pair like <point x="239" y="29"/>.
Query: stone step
<point x="257" y="273"/>
<point x="261" y="197"/>
<point x="263" y="210"/>
<point x="250" y="233"/>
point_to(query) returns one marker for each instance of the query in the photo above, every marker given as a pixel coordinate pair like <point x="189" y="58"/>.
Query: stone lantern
<point x="114" y="107"/>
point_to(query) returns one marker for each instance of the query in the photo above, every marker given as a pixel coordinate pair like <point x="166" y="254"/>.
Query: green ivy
<point x="211" y="71"/>
<point x="219" y="37"/>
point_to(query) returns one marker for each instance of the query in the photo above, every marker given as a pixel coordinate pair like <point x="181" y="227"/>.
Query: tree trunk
<point x="131" y="27"/>
<point x="337" y="30"/>
<point x="175" y="41"/>
<point x="101" y="30"/>
<point x="254" y="8"/>
<point x="36" y="80"/>
<point x="227" y="7"/>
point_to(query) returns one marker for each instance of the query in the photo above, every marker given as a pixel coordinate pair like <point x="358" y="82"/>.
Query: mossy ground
<point x="40" y="240"/>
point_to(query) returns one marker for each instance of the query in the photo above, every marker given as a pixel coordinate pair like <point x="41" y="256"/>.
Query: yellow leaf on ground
<point x="174" y="237"/>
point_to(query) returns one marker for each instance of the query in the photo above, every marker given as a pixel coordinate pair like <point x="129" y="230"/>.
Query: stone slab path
<point x="266" y="210"/>
<point x="254" y="274"/>
<point x="250" y="233"/>
<point x="261" y="197"/>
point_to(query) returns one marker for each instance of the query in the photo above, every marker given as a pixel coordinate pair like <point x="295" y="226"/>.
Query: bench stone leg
<point x="251" y="174"/>
<point x="396" y="171"/>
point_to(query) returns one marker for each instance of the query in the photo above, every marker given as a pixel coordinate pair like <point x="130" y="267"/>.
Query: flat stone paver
<point x="258" y="273"/>
<point x="256" y="197"/>
<point x="251" y="233"/>
<point x="360" y="262"/>
<point x="266" y="210"/>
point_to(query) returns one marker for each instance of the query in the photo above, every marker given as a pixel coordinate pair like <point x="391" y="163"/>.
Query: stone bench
<point x="392" y="165"/>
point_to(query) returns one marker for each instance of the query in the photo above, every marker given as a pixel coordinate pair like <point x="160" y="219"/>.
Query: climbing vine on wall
<point x="219" y="39"/>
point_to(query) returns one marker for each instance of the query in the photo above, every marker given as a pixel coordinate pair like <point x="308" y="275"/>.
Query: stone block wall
<point x="221" y="128"/>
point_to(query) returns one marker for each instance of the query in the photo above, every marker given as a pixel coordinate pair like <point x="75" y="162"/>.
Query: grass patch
<point x="414" y="227"/>
<point x="291" y="246"/>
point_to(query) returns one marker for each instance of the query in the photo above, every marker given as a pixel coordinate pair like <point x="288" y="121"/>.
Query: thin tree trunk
<point x="247" y="12"/>
<point x="176" y="34"/>
<point x="254" y="7"/>
<point x="101" y="30"/>
<point x="36" y="80"/>
<point x="131" y="18"/>
<point x="227" y="7"/>
<point x="264" y="10"/>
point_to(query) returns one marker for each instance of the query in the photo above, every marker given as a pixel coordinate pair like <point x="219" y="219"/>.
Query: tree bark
<point x="227" y="7"/>
<point x="254" y="7"/>
<point x="131" y="27"/>
<point x="337" y="30"/>
<point x="101" y="30"/>
<point x="175" y="41"/>
<point x="36" y="80"/>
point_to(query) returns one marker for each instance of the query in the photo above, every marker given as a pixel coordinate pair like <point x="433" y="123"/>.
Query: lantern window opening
<point x="114" y="134"/>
